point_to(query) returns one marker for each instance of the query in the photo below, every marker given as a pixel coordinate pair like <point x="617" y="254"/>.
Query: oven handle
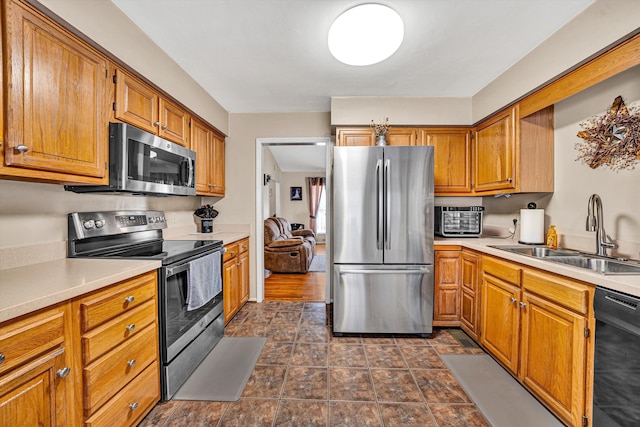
<point x="172" y="271"/>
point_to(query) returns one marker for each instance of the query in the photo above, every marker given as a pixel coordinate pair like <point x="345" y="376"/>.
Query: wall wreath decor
<point x="611" y="139"/>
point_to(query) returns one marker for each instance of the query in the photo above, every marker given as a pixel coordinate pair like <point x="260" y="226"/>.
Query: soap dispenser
<point x="552" y="237"/>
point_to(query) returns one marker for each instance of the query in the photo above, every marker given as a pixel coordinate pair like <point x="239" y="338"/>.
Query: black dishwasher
<point x="616" y="380"/>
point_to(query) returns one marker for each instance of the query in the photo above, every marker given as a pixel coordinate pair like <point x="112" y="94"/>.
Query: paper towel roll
<point x="532" y="226"/>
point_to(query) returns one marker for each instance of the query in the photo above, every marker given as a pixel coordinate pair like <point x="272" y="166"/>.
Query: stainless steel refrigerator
<point x="383" y="240"/>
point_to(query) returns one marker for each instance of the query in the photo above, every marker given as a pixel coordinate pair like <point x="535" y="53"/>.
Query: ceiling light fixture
<point x="366" y="34"/>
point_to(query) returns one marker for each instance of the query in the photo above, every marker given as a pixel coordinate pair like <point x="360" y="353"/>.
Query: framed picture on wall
<point x="296" y="193"/>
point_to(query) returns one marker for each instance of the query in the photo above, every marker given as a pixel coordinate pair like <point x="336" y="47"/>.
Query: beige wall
<point x="296" y="210"/>
<point x="106" y="25"/>
<point x="575" y="181"/>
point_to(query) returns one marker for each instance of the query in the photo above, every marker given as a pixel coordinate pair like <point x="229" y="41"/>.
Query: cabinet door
<point x="243" y="277"/>
<point x="469" y="293"/>
<point x="201" y="143"/>
<point x="447" y="282"/>
<point x="452" y="159"/>
<point x="34" y="395"/>
<point x="402" y="136"/>
<point x="501" y="320"/>
<point x="174" y="123"/>
<point x="217" y="166"/>
<point x="230" y="294"/>
<point x="553" y="356"/>
<point x="355" y="137"/>
<point x="494" y="149"/>
<point x="136" y="102"/>
<point x="56" y="88"/>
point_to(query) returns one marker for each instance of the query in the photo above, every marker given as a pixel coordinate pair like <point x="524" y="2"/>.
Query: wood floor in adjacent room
<point x="308" y="287"/>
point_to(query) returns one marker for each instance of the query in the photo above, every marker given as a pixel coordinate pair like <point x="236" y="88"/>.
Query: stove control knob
<point x="89" y="224"/>
<point x="100" y="223"/>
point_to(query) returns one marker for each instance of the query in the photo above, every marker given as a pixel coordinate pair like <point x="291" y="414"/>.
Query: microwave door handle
<point x="192" y="172"/>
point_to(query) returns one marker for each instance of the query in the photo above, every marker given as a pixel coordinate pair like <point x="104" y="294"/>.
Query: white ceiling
<point x="272" y="55"/>
<point x="299" y="158"/>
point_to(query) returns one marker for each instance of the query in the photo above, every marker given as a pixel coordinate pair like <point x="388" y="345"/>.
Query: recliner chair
<point x="287" y="251"/>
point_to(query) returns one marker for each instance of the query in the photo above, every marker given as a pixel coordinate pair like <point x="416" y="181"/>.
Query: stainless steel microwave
<point x="456" y="221"/>
<point x="143" y="163"/>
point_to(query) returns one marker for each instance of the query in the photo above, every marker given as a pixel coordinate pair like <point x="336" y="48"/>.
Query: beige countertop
<point x="629" y="284"/>
<point x="30" y="288"/>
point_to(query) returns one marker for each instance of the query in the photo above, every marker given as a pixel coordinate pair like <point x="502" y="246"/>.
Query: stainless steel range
<point x="189" y="282"/>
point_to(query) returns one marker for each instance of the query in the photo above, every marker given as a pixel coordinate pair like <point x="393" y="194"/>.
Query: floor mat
<point x="223" y="374"/>
<point x="317" y="264"/>
<point x="502" y="400"/>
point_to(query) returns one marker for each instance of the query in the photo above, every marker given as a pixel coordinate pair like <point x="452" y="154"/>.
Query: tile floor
<point x="307" y="377"/>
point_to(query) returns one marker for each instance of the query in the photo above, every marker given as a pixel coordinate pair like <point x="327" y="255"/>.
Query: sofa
<point x="287" y="251"/>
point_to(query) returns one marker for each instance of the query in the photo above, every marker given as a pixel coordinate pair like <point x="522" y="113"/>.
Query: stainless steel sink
<point x="599" y="265"/>
<point x="602" y="265"/>
<point x="537" y="251"/>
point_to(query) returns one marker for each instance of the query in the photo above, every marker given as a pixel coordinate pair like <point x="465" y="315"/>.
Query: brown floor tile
<point x="160" y="413"/>
<point x="373" y="339"/>
<point x="305" y="383"/>
<point x="406" y="414"/>
<point x="302" y="413"/>
<point x="349" y="355"/>
<point x="275" y="353"/>
<point x="440" y="386"/>
<point x="458" y="416"/>
<point x="197" y="414"/>
<point x="393" y="385"/>
<point x="258" y="317"/>
<point x="310" y="355"/>
<point x="347" y="339"/>
<point x="313" y="334"/>
<point x="286" y="317"/>
<point x="351" y="414"/>
<point x="291" y="306"/>
<point x="449" y="349"/>
<point x="443" y="337"/>
<point x="281" y="333"/>
<point x="265" y="382"/>
<point x="249" y="330"/>
<point x="315" y="306"/>
<point x="350" y="384"/>
<point x="314" y="318"/>
<point x="384" y="356"/>
<point x="411" y="340"/>
<point x="250" y="412"/>
<point x="271" y="305"/>
<point x="421" y="357"/>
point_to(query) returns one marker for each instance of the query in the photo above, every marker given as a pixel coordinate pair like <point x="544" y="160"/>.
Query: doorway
<point x="297" y="146"/>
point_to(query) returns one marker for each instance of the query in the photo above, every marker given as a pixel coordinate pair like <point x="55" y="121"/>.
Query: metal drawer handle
<point x="63" y="372"/>
<point x="131" y="363"/>
<point x="22" y="148"/>
<point x="130" y="327"/>
<point x="512" y="299"/>
<point x="129" y="299"/>
<point x="522" y="304"/>
<point x="133" y="406"/>
<point x="1" y="357"/>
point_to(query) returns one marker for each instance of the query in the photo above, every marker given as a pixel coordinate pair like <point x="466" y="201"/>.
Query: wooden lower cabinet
<point x="538" y="326"/>
<point x="470" y="293"/>
<point x="446" y="288"/>
<point x="36" y="377"/>
<point x="235" y="278"/>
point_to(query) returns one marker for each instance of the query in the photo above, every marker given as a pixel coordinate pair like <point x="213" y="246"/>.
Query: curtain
<point x="315" y="186"/>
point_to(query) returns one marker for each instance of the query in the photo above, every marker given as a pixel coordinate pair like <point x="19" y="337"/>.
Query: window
<point x="321" y="217"/>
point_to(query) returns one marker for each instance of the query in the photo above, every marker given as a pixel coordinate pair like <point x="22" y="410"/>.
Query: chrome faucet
<point x="596" y="223"/>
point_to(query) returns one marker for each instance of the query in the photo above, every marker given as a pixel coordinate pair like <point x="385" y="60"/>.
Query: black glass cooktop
<point x="168" y="251"/>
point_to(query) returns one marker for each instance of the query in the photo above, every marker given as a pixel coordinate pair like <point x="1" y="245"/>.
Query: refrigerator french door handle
<point x="387" y="216"/>
<point x="379" y="205"/>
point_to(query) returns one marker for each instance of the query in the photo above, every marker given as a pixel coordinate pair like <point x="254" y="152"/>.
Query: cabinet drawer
<point x="501" y="269"/>
<point x="232" y="251"/>
<point x="98" y="341"/>
<point x="116" y="300"/>
<point x="132" y="403"/>
<point x="26" y="339"/>
<point x="243" y="246"/>
<point x="109" y="374"/>
<point x="560" y="291"/>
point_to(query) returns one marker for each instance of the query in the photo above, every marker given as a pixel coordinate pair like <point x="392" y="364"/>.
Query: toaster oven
<point x="456" y="221"/>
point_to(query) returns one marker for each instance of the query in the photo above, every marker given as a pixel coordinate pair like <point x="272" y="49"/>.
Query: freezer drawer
<point x="383" y="299"/>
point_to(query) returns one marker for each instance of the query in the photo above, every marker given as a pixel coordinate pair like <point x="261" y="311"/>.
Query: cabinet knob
<point x="133" y="406"/>
<point x="164" y="127"/>
<point x="522" y="304"/>
<point x="1" y="357"/>
<point x="129" y="299"/>
<point x="512" y="299"/>
<point x="22" y="148"/>
<point x="130" y="327"/>
<point x="63" y="372"/>
<point x="131" y="363"/>
<point x="509" y="179"/>
<point x="156" y="123"/>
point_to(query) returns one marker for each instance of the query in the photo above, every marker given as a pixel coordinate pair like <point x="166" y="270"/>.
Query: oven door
<point x="179" y="326"/>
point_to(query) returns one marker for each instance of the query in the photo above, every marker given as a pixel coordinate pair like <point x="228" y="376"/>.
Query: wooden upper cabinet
<point x="494" y="150"/>
<point x="140" y="105"/>
<point x="452" y="159"/>
<point x="402" y="136"/>
<point x="355" y="137"/>
<point x="210" y="161"/>
<point x="56" y="87"/>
